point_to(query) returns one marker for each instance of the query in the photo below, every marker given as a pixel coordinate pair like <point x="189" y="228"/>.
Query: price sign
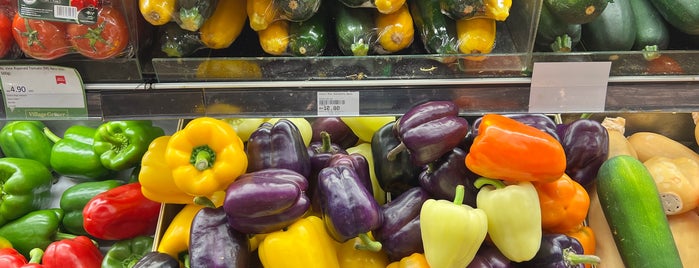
<point x="42" y="92"/>
<point x="338" y="103"/>
<point x="569" y="87"/>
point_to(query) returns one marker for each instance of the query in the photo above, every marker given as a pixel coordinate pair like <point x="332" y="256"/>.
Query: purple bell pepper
<point x="560" y="251"/>
<point x="341" y="134"/>
<point x="489" y="256"/>
<point x="266" y="200"/>
<point x="214" y="243"/>
<point x="397" y="174"/>
<point x="319" y="153"/>
<point x="358" y="163"/>
<point x="278" y="146"/>
<point x="430" y="130"/>
<point x="441" y="177"/>
<point x="539" y="121"/>
<point x="586" y="145"/>
<point x="348" y="209"/>
<point x="400" y="232"/>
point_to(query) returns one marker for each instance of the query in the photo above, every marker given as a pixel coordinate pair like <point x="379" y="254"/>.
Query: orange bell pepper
<point x="564" y="204"/>
<point x="350" y="257"/>
<point x="509" y="150"/>
<point x="586" y="236"/>
<point x="415" y="260"/>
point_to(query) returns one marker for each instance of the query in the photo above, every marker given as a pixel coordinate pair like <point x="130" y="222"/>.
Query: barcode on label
<point x="65" y="12"/>
<point x="330" y="102"/>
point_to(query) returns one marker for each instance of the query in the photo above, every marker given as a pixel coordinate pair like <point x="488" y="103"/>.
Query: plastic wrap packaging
<point x="8" y="47"/>
<point x="90" y="28"/>
<point x="363" y="31"/>
<point x="289" y="38"/>
<point x="197" y="25"/>
<point x="498" y="10"/>
<point x="382" y="6"/>
<point x="262" y="13"/>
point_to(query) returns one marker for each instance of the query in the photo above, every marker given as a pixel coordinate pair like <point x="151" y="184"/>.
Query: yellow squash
<point x="649" y="144"/>
<point x="274" y="39"/>
<point x="225" y="25"/>
<point x="476" y="36"/>
<point x="157" y="12"/>
<point x="396" y="30"/>
<point x="261" y="13"/>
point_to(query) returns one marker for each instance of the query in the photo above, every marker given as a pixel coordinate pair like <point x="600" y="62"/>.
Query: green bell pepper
<point x="37" y="229"/>
<point x="74" y="199"/>
<point x="26" y="139"/>
<point x="126" y="253"/>
<point x="121" y="144"/>
<point x="73" y="155"/>
<point x="25" y="186"/>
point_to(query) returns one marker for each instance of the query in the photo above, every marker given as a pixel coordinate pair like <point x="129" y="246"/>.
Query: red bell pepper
<point x="78" y="252"/>
<point x="121" y="213"/>
<point x="11" y="258"/>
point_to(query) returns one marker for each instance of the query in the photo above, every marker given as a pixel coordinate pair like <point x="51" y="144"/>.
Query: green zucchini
<point x="631" y="203"/>
<point x="683" y="14"/>
<point x="355" y="30"/>
<point x="650" y="26"/>
<point x="193" y="13"/>
<point x="613" y="30"/>
<point x="436" y="30"/>
<point x="308" y="38"/>
<point x="462" y="9"/>
<point x="178" y="42"/>
<point x="297" y="10"/>
<point x="576" y="11"/>
<point x="555" y="35"/>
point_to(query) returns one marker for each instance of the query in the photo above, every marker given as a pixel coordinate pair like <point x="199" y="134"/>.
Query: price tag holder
<point x="41" y="92"/>
<point x="338" y="103"/>
<point x="559" y="87"/>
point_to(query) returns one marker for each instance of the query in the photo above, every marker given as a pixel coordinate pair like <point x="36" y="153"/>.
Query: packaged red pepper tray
<point x="47" y="30"/>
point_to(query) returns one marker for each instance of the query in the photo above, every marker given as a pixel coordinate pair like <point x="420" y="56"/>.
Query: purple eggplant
<point x="348" y="209"/>
<point x="586" y="145"/>
<point x="489" y="256"/>
<point x="400" y="232"/>
<point x="429" y="130"/>
<point x="539" y="121"/>
<point x="214" y="243"/>
<point x="340" y="133"/>
<point x="278" y="146"/>
<point x="441" y="177"/>
<point x="266" y="200"/>
<point x="559" y="251"/>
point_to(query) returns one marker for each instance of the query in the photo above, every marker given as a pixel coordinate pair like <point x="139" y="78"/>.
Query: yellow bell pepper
<point x="206" y="156"/>
<point x="175" y="239"/>
<point x="349" y="256"/>
<point x="305" y="244"/>
<point x="302" y="124"/>
<point x="4" y="243"/>
<point x="415" y="260"/>
<point x="244" y="127"/>
<point x="155" y="176"/>
<point x="365" y="126"/>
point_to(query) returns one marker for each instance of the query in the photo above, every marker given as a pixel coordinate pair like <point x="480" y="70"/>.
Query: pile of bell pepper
<point x="429" y="188"/>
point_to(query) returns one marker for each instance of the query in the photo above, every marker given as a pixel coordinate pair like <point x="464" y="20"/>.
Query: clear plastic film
<point x="467" y="9"/>
<point x="262" y="13"/>
<point x="363" y="31"/>
<point x="382" y="6"/>
<point x="290" y="38"/>
<point x="8" y="47"/>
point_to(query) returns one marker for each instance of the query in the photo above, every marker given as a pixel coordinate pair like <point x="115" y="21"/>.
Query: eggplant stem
<point x="368" y="244"/>
<point x="395" y="151"/>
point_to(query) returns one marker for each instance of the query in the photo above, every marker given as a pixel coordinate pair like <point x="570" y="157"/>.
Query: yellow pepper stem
<point x="480" y="182"/>
<point x="203" y="157"/>
<point x="368" y="244"/>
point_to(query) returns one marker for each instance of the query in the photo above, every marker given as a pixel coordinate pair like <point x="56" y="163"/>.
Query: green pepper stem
<point x="482" y="181"/>
<point x="186" y="262"/>
<point x="326" y="144"/>
<point x="204" y="201"/>
<point x="395" y="151"/>
<point x="574" y="259"/>
<point x="203" y="157"/>
<point x="459" y="197"/>
<point x="60" y="236"/>
<point x="586" y="116"/>
<point x="35" y="255"/>
<point x="368" y="244"/>
<point x="651" y="52"/>
<point x="52" y="136"/>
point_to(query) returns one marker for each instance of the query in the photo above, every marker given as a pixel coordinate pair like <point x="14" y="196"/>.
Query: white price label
<point x="42" y="91"/>
<point x="338" y="103"/>
<point x="569" y="87"/>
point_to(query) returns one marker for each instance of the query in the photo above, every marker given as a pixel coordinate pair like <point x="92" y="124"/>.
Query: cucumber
<point x="576" y="11"/>
<point x="193" y="13"/>
<point x="178" y="42"/>
<point x="355" y="30"/>
<point x="650" y="26"/>
<point x="613" y="30"/>
<point x="631" y="203"/>
<point x="555" y="35"/>
<point x="462" y="9"/>
<point x="308" y="38"/>
<point x="297" y="10"/>
<point x="683" y="14"/>
<point x="436" y="30"/>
